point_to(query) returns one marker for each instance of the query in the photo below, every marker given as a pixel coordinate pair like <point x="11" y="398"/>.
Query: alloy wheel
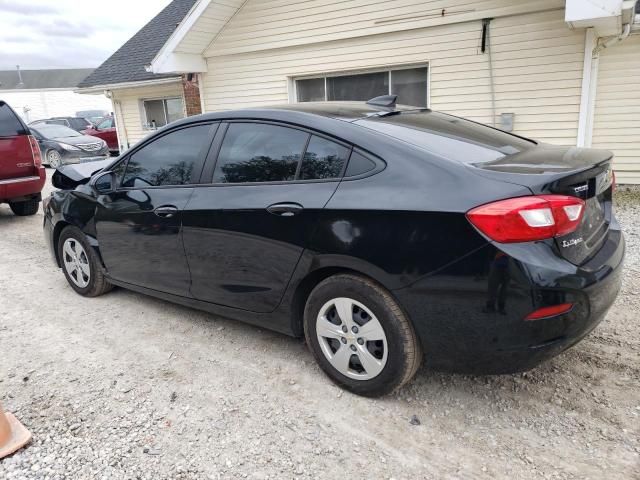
<point x="54" y="159"/>
<point x="76" y="262"/>
<point x="351" y="338"/>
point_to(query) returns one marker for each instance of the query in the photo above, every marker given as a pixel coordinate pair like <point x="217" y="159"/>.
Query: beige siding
<point x="131" y="108"/>
<point x="617" y="109"/>
<point x="537" y="70"/>
<point x="264" y="25"/>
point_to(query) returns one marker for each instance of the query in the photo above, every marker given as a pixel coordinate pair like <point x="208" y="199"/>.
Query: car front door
<point x="139" y="225"/>
<point x="245" y="232"/>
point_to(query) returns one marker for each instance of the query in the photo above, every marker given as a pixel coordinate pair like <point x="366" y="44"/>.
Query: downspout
<point x="486" y="47"/>
<point x="613" y="40"/>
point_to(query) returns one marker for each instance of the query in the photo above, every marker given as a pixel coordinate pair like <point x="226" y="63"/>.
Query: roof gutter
<point x="100" y="89"/>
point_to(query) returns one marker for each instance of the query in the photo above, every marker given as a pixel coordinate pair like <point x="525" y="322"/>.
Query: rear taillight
<point x="526" y="219"/>
<point x="35" y="151"/>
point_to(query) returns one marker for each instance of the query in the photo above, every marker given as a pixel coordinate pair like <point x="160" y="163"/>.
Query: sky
<point x="38" y="34"/>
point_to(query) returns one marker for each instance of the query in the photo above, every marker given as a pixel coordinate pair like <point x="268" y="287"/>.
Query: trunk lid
<point x="576" y="172"/>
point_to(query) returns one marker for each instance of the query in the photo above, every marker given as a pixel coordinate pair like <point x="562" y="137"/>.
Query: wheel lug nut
<point x="343" y="340"/>
<point x="360" y="341"/>
<point x="354" y="329"/>
<point x="345" y="329"/>
<point x="353" y="347"/>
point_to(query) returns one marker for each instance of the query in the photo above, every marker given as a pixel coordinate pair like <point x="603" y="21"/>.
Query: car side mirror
<point x="105" y="183"/>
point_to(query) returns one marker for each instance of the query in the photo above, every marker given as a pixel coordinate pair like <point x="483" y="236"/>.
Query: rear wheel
<point x="25" y="208"/>
<point x="360" y="337"/>
<point x="80" y="264"/>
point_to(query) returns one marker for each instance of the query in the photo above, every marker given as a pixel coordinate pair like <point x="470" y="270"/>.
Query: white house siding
<point x="617" y="109"/>
<point x="537" y="64"/>
<point x="129" y="113"/>
<point x="34" y="105"/>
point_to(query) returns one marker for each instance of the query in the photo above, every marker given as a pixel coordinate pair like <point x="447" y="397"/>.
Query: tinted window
<point x="323" y="159"/>
<point x="106" y="123"/>
<point x="450" y="137"/>
<point x="79" y="124"/>
<point x="169" y="160"/>
<point x="9" y="123"/>
<point x="359" y="164"/>
<point x="253" y="152"/>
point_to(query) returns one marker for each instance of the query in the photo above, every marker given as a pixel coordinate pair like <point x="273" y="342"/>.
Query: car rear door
<point x="139" y="225"/>
<point x="245" y="232"/>
<point x="16" y="158"/>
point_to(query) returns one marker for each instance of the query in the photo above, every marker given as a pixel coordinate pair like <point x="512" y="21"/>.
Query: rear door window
<point x="323" y="159"/>
<point x="10" y="125"/>
<point x="173" y="159"/>
<point x="255" y="152"/>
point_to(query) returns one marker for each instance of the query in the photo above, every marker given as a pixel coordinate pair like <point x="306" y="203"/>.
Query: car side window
<point x="168" y="160"/>
<point x="105" y="124"/>
<point x="359" y="165"/>
<point x="255" y="152"/>
<point x="323" y="159"/>
<point x="10" y="126"/>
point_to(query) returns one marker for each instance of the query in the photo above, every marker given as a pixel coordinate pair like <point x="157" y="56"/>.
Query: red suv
<point x="105" y="129"/>
<point x="22" y="175"/>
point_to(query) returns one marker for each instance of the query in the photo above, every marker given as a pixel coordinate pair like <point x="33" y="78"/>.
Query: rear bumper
<point x="470" y="317"/>
<point x="24" y="188"/>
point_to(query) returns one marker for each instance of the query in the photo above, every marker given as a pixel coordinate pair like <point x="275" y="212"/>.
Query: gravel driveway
<point x="127" y="386"/>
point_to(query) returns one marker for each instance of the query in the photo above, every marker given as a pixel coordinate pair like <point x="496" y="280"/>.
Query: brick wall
<point x="191" y="95"/>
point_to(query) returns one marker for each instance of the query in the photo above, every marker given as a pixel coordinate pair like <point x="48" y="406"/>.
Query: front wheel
<point x="360" y="337"/>
<point x="80" y="264"/>
<point x="54" y="159"/>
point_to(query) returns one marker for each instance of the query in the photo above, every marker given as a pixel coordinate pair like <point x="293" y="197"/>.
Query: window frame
<point x="143" y="111"/>
<point x="196" y="176"/>
<point x="293" y="83"/>
<point x="214" y="152"/>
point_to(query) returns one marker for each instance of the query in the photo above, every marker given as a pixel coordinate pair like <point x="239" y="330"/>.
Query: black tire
<point x="404" y="352"/>
<point x="97" y="283"/>
<point x="25" y="208"/>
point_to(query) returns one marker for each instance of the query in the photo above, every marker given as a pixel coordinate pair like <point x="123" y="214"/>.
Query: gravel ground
<point x="126" y="386"/>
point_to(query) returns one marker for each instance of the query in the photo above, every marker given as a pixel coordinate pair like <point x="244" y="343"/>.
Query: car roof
<point x="347" y="111"/>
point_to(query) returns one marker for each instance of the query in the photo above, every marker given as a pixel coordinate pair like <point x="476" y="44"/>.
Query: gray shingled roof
<point x="128" y="63"/>
<point x="41" y="79"/>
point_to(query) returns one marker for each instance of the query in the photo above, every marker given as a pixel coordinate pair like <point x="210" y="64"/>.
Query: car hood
<point x="81" y="140"/>
<point x="70" y="176"/>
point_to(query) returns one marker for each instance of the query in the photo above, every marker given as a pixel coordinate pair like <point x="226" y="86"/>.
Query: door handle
<point x="285" y="209"/>
<point x="166" y="211"/>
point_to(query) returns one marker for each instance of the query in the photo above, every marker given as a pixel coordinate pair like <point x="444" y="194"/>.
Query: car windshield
<point x="56" y="131"/>
<point x="449" y="136"/>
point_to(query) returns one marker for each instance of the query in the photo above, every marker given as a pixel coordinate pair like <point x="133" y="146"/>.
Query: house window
<point x="410" y="84"/>
<point x="162" y="111"/>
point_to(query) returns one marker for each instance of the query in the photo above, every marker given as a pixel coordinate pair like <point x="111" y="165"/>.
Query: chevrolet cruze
<point x="386" y="235"/>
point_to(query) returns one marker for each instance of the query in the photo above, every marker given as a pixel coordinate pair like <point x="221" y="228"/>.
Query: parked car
<point x="22" y="175"/>
<point x="75" y="123"/>
<point x="94" y="116"/>
<point x="379" y="232"/>
<point x="61" y="145"/>
<point x="105" y="129"/>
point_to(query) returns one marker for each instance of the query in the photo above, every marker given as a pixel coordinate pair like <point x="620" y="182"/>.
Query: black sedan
<point x="383" y="234"/>
<point x="61" y="145"/>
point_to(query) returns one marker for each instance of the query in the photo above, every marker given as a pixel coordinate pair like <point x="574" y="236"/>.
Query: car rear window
<point x="448" y="136"/>
<point x="10" y="126"/>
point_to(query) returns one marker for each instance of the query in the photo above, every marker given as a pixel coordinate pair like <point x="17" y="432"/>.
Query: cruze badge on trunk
<point x="572" y="242"/>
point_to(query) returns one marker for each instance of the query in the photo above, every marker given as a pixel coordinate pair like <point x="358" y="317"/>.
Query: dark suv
<point x="22" y="175"/>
